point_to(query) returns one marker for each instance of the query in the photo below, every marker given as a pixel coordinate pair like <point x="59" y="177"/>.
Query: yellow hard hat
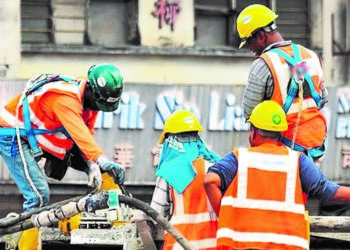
<point x="180" y="121"/>
<point x="269" y="115"/>
<point x="252" y="18"/>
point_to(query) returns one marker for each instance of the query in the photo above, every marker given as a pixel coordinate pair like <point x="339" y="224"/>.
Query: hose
<point x="164" y="223"/>
<point x="90" y="204"/>
<point x="20" y="148"/>
<point x="10" y="221"/>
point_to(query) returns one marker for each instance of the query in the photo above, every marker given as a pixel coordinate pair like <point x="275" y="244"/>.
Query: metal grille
<point x="293" y="20"/>
<point x="36" y="21"/>
<point x="213" y="21"/>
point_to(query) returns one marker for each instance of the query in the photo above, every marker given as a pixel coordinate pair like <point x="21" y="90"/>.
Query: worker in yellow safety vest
<point x="179" y="194"/>
<point x="257" y="191"/>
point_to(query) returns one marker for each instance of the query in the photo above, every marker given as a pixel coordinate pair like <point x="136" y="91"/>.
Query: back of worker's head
<point x="107" y="85"/>
<point x="254" y="18"/>
<point x="269" y="119"/>
<point x="181" y="123"/>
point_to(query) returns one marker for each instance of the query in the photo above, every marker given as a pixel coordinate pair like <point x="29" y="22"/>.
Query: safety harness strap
<point x="36" y="131"/>
<point x="313" y="152"/>
<point x="300" y="73"/>
<point x="28" y="131"/>
<point x="35" y="149"/>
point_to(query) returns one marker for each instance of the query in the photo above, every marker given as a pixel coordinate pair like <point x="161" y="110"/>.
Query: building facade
<point x="173" y="53"/>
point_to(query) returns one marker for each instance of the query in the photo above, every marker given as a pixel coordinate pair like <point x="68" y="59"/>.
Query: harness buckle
<point x="36" y="153"/>
<point x="299" y="70"/>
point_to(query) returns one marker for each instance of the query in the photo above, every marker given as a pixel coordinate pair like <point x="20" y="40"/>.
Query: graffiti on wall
<point x="166" y="12"/>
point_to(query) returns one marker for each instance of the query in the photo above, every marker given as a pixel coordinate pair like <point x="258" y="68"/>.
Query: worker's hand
<point x="95" y="177"/>
<point x="112" y="168"/>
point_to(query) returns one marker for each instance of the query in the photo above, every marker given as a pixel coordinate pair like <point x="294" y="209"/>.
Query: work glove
<point x="94" y="175"/>
<point x="112" y="168"/>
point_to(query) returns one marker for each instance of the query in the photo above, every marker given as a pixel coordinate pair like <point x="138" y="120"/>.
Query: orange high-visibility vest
<point x="263" y="206"/>
<point x="56" y="143"/>
<point x="312" y="129"/>
<point x="193" y="214"/>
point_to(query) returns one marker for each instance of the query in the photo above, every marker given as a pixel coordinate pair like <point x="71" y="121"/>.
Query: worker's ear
<point x="261" y="35"/>
<point x="88" y="98"/>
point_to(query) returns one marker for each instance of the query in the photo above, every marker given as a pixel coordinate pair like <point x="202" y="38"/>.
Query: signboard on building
<point x="130" y="135"/>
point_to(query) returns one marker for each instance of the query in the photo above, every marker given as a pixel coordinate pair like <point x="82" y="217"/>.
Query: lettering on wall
<point x="129" y="111"/>
<point x="166" y="12"/>
<point x="167" y="103"/>
<point x="156" y="154"/>
<point x="342" y="126"/>
<point x="345" y="151"/>
<point x="123" y="155"/>
<point x="233" y="114"/>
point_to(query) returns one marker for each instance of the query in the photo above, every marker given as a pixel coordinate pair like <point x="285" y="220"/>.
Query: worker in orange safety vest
<point x="53" y="119"/>
<point x="179" y="194"/>
<point x="257" y="191"/>
<point x="287" y="73"/>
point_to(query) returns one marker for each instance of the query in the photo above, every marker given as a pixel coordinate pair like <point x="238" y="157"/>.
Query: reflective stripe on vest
<point x="300" y="73"/>
<point x="250" y="210"/>
<point x="263" y="237"/>
<point x="281" y="74"/>
<point x="52" y="141"/>
<point x="310" y="131"/>
<point x="193" y="218"/>
<point x="284" y="163"/>
<point x="193" y="214"/>
<point x="200" y="244"/>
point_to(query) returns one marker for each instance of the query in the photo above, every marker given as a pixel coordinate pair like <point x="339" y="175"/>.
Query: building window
<point x="213" y="22"/>
<point x="106" y="23"/>
<point x="36" y="21"/>
<point x="292" y="22"/>
<point x="112" y="23"/>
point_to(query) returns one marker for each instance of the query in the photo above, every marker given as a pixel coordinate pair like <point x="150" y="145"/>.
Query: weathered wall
<point x="10" y="49"/>
<point x="130" y="135"/>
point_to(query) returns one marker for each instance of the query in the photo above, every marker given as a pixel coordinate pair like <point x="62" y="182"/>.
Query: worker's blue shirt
<point x="313" y="182"/>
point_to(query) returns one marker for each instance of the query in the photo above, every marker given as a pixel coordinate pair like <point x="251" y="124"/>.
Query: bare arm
<point x="212" y="185"/>
<point x="342" y="194"/>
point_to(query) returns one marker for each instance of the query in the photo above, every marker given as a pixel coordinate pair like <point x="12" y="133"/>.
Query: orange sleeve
<point x="68" y="110"/>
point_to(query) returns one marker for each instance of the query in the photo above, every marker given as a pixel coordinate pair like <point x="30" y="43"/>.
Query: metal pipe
<point x="90" y="204"/>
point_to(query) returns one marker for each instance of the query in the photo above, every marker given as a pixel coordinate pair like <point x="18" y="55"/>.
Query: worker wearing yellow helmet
<point x="254" y="18"/>
<point x="179" y="194"/>
<point x="258" y="189"/>
<point x="281" y="69"/>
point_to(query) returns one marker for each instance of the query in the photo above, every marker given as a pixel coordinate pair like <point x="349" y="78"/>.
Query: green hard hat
<point x="107" y="85"/>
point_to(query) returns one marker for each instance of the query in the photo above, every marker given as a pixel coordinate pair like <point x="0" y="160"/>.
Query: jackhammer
<point x="51" y="215"/>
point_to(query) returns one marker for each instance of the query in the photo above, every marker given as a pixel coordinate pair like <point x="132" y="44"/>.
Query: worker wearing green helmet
<point x="107" y="86"/>
<point x="56" y="122"/>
